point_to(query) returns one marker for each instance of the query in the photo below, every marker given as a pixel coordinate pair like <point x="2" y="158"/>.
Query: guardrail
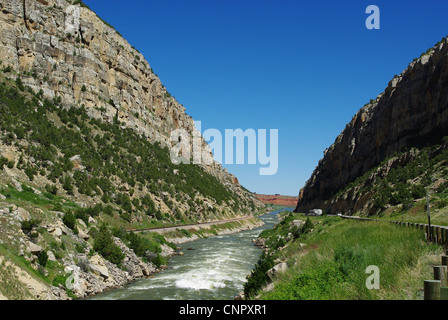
<point x="437" y="234"/>
<point x="436" y="289"/>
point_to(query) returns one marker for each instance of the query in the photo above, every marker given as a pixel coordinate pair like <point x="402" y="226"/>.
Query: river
<point x="213" y="268"/>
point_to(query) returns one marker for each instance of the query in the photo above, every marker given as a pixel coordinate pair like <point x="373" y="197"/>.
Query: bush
<point x="258" y="277"/>
<point x="53" y="189"/>
<point x="442" y="203"/>
<point x="105" y="246"/>
<point x="68" y="185"/>
<point x="109" y="210"/>
<point x="308" y="225"/>
<point x="27" y="226"/>
<point x="43" y="258"/>
<point x="19" y="84"/>
<point x="418" y="191"/>
<point x="159" y="260"/>
<point x="3" y="162"/>
<point x="69" y="220"/>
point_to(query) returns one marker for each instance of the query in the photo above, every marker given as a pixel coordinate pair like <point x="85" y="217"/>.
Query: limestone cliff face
<point x="412" y="111"/>
<point x="92" y="65"/>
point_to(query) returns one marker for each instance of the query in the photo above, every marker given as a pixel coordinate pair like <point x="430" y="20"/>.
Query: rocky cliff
<point x="411" y="112"/>
<point x="85" y="130"/>
<point x="87" y="62"/>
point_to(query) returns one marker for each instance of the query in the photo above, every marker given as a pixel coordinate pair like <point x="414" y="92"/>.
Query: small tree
<point x="43" y="258"/>
<point x="68" y="185"/>
<point x="105" y="246"/>
<point x="27" y="226"/>
<point x="308" y="225"/>
<point x="69" y="220"/>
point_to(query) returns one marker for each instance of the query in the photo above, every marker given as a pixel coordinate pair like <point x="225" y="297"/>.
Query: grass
<point x="44" y="200"/>
<point x="333" y="263"/>
<point x="10" y="286"/>
<point x="418" y="212"/>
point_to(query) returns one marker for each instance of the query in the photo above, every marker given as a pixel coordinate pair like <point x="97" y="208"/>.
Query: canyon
<point x="84" y="158"/>
<point x="412" y="112"/>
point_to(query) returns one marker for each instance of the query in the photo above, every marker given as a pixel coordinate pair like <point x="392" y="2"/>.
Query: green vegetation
<point x="330" y="262"/>
<point x="28" y="225"/>
<point x="275" y="238"/>
<point x="317" y="283"/>
<point x="69" y="220"/>
<point x="403" y="189"/>
<point x="110" y="156"/>
<point x="104" y="245"/>
<point x="43" y="258"/>
<point x="114" y="174"/>
<point x="258" y="278"/>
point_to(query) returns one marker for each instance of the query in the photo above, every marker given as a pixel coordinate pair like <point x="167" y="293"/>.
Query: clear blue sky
<point x="302" y="67"/>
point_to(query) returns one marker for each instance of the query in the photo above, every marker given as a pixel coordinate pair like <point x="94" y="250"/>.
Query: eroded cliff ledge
<point x="411" y="112"/>
<point x="91" y="64"/>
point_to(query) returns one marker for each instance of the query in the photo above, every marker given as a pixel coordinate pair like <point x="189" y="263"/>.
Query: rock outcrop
<point x="73" y="56"/>
<point x="66" y="54"/>
<point x="95" y="274"/>
<point x="411" y="112"/>
<point x="277" y="199"/>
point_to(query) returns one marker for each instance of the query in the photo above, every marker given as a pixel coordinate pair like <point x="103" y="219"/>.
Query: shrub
<point x="308" y="225"/>
<point x="82" y="214"/>
<point x="109" y="210"/>
<point x="51" y="189"/>
<point x="105" y="246"/>
<point x="258" y="277"/>
<point x="159" y="260"/>
<point x="69" y="220"/>
<point x="43" y="258"/>
<point x="20" y="85"/>
<point x="68" y="185"/>
<point x="27" y="226"/>
<point x="442" y="203"/>
<point x="3" y="162"/>
<point x="418" y="191"/>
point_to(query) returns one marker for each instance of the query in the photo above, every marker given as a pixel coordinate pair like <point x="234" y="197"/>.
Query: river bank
<point x="213" y="267"/>
<point x="185" y="234"/>
<point x="113" y="278"/>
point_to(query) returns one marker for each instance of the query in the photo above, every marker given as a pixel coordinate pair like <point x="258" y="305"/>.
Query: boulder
<point x="22" y="214"/>
<point x="98" y="266"/>
<point x="55" y="230"/>
<point x="83" y="235"/>
<point x="279" y="268"/>
<point x="17" y="185"/>
<point x="51" y="256"/>
<point x="58" y="232"/>
<point x="82" y="223"/>
<point x="34" y="248"/>
<point x="167" y="251"/>
<point x="259" y="242"/>
<point x="297" y="223"/>
<point x="92" y="220"/>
